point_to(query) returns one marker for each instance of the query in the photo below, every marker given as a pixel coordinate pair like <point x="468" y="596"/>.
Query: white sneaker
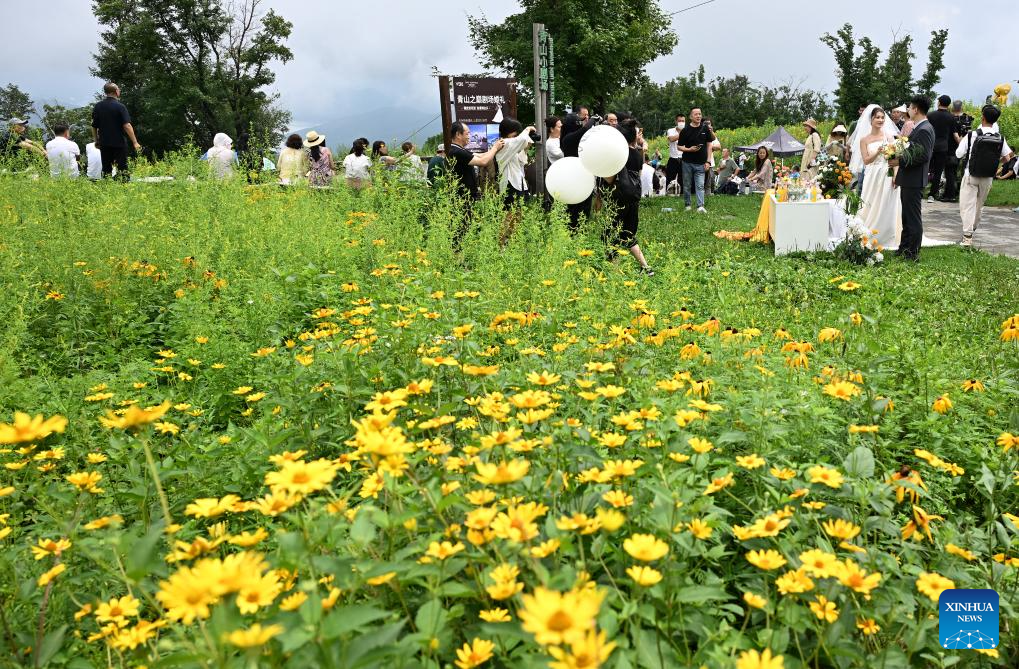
<point x="701" y="210"/>
<point x="966" y="241"/>
<point x="689" y="208"/>
<point x="930" y="199"/>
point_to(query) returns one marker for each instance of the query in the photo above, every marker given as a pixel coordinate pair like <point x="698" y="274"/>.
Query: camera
<point x="596" y="119"/>
<point x="535" y="137"/>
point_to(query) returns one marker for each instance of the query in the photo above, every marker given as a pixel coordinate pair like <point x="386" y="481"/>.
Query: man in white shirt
<point x="62" y="153"/>
<point x="94" y="171"/>
<point x="674" y="167"/>
<point x="974" y="189"/>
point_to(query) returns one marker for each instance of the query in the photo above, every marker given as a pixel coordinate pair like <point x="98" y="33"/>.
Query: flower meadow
<point x="248" y="427"/>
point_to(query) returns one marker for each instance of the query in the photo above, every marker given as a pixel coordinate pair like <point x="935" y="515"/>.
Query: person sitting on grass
<point x="357" y="166"/>
<point x="293" y="162"/>
<point x="63" y="154"/>
<point x="1007" y="171"/>
<point x="763" y="176"/>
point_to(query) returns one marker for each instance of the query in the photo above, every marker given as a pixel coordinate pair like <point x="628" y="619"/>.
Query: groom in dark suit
<point x="912" y="178"/>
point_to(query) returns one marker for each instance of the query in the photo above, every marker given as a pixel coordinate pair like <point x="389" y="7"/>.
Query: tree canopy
<point x="14" y="102"/>
<point x="191" y="68"/>
<point x="863" y="79"/>
<point x="730" y="102"/>
<point x="600" y="47"/>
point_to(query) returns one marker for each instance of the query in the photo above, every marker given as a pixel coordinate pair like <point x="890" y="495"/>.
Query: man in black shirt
<point x="963" y="124"/>
<point x="461" y="167"/>
<point x="110" y="122"/>
<point x="695" y="141"/>
<point x="944" y="128"/>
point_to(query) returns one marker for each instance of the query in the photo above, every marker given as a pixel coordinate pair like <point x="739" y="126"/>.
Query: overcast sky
<point x="353" y="56"/>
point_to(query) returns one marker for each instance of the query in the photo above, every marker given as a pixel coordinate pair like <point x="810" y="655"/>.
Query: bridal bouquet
<point x="894" y="149"/>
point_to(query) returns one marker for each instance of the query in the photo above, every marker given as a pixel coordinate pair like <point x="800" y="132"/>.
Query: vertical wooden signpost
<point x="544" y="92"/>
<point x="447" y="112"/>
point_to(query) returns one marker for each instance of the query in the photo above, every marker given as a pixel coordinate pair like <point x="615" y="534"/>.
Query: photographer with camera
<point x="694" y="141"/>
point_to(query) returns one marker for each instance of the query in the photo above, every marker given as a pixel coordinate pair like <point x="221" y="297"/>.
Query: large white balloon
<point x="568" y="181"/>
<point x="603" y="151"/>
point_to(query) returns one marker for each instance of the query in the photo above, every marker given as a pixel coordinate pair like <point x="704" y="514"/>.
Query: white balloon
<point x="604" y="151"/>
<point x="568" y="181"/>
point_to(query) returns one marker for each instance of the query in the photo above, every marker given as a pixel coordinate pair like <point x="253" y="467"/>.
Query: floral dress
<point x="321" y="173"/>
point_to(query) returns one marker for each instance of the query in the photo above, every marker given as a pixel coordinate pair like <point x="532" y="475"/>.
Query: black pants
<point x="912" y="221"/>
<point x="114" y="155"/>
<point x="575" y="210"/>
<point x="673" y="172"/>
<point x="622" y="231"/>
<point x="951" y="177"/>
<point x="938" y="163"/>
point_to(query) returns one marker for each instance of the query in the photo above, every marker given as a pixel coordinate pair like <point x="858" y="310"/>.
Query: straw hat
<point x="810" y="123"/>
<point x="839" y="130"/>
<point x="313" y="139"/>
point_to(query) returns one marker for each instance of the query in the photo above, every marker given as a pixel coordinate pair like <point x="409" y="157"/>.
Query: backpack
<point x="984" y="153"/>
<point x="628" y="186"/>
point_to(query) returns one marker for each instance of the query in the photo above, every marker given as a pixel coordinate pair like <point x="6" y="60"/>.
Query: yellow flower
<point x="867" y="626"/>
<point x="117" y="610"/>
<point x="825" y="475"/>
<point x="495" y="616"/>
<point x="943" y="404"/>
<point x="824" y="609"/>
<point x="86" y="481"/>
<point x="587" y="652"/>
<point x="299" y="477"/>
<point x="545" y="378"/>
<point x="783" y="474"/>
<point x="718" y="484"/>
<point x="961" y="552"/>
<point x="26" y="428"/>
<point x="933" y="584"/>
<point x="972" y="385"/>
<point x="842" y="390"/>
<point x="752" y="461"/>
<point x="618" y="498"/>
<point x="293" y="602"/>
<point x="766" y="559"/>
<point x="1008" y="441"/>
<point x="645" y="547"/>
<point x="793" y="582"/>
<point x="105" y="521"/>
<point x="474" y="654"/>
<point x="854" y="577"/>
<point x="610" y="520"/>
<point x="829" y="334"/>
<point x="849" y="286"/>
<point x="555" y="618"/>
<point x="700" y="445"/>
<point x="135" y="417"/>
<point x="444" y="550"/>
<point x="645" y="576"/>
<point x="47" y="547"/>
<point x="256" y="635"/>
<point x="48" y="576"/>
<point x="751" y="659"/>
<point x="491" y="473"/>
<point x="755" y="600"/>
<point x="6" y="490"/>
<point x="381" y="579"/>
<point x="699" y="528"/>
<point x="818" y="563"/>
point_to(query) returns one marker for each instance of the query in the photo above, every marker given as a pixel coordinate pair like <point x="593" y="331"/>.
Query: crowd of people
<point x="959" y="160"/>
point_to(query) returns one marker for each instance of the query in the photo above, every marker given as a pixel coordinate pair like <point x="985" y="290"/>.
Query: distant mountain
<point x="393" y="125"/>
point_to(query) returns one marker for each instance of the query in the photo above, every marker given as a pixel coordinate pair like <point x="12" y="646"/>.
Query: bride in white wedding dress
<point x="881" y="209"/>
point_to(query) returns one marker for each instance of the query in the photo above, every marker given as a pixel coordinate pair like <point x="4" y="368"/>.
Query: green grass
<point x="1004" y="194"/>
<point x="164" y="292"/>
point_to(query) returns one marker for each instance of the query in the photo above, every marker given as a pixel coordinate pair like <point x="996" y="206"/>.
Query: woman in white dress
<point x="881" y="210"/>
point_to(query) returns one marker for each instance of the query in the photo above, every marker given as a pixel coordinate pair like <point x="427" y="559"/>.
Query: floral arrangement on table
<point x="833" y="176"/>
<point x="860" y="246"/>
<point x="895" y="149"/>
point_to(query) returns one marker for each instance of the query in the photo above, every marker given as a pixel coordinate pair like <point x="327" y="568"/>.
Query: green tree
<point x="191" y="68"/>
<point x="77" y="119"/>
<point x="935" y="63"/>
<point x="897" y="72"/>
<point x="600" y="47"/>
<point x="14" y="102"/>
<point x="863" y="81"/>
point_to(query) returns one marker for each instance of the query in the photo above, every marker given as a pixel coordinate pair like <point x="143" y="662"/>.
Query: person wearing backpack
<point x="981" y="151"/>
<point x="624" y="191"/>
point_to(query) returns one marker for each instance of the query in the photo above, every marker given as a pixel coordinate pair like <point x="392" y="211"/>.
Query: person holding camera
<point x="694" y="141"/>
<point x="512" y="158"/>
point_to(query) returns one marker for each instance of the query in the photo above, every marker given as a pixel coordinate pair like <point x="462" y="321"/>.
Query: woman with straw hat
<point x="812" y="147"/>
<point x="321" y="173"/>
